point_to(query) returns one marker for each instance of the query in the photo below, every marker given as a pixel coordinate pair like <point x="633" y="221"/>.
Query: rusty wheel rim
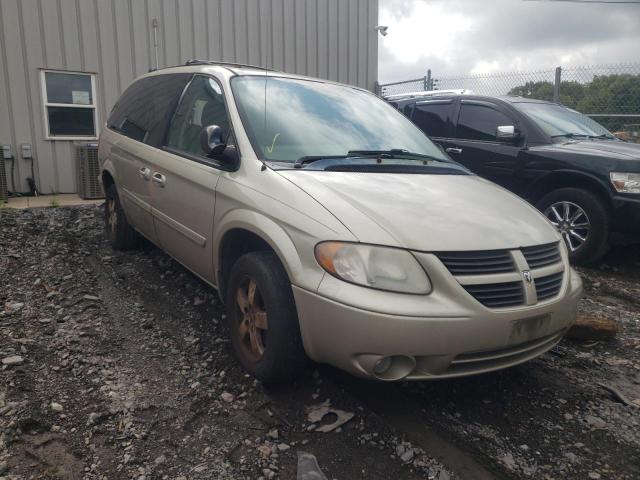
<point x="252" y="322"/>
<point x="112" y="216"/>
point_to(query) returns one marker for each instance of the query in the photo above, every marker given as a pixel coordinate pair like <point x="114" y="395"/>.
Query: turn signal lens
<point x="382" y="268"/>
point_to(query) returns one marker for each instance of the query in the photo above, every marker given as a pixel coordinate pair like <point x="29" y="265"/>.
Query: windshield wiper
<point x="300" y="162"/>
<point x="392" y="153"/>
<point x="582" y="135"/>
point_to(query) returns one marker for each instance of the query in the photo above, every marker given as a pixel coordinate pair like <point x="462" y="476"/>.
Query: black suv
<point x="585" y="180"/>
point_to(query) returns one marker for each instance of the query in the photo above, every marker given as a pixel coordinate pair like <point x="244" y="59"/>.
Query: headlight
<point x="626" y="182"/>
<point x="371" y="266"/>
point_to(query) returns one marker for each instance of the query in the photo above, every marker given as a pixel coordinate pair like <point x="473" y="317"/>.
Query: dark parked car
<point x="585" y="180"/>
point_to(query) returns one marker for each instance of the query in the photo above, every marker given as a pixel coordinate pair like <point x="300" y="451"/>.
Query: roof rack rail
<point x="195" y="61"/>
<point x="428" y="93"/>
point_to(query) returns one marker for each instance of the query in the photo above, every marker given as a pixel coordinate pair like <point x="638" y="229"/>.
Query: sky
<point x="455" y="37"/>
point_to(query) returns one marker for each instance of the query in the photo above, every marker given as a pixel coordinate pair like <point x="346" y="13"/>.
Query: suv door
<point x="140" y="117"/>
<point x="185" y="178"/>
<point x="476" y="145"/>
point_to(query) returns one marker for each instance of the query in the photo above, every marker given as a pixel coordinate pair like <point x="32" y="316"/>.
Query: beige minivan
<point x="332" y="228"/>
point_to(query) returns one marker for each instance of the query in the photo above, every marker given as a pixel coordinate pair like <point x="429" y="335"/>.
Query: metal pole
<point x="154" y="24"/>
<point x="427" y="82"/>
<point x="556" y="85"/>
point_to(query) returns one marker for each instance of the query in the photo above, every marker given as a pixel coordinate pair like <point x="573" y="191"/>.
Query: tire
<point x="121" y="235"/>
<point x="273" y="354"/>
<point x="596" y="242"/>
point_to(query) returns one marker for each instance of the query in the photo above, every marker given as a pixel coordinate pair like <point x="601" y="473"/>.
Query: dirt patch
<point x="125" y="372"/>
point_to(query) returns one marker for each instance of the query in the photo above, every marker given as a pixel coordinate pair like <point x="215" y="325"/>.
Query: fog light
<point x="382" y="365"/>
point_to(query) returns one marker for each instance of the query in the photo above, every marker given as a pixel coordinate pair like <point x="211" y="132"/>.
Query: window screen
<point x="479" y="122"/>
<point x="145" y="108"/>
<point x="432" y="118"/>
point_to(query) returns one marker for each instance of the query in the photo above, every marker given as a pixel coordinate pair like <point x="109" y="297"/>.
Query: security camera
<point x="383" y="29"/>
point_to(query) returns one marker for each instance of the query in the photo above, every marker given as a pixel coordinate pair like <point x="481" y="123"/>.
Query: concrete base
<point x="60" y="200"/>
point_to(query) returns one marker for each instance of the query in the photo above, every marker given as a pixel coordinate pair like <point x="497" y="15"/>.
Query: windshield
<point x="306" y="118"/>
<point x="558" y="121"/>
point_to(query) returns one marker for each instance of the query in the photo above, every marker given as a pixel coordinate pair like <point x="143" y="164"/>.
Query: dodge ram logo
<point x="527" y="276"/>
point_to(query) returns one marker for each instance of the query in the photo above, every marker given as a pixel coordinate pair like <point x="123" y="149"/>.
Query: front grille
<point x="497" y="295"/>
<point x="541" y="255"/>
<point x="477" y="263"/>
<point x="549" y="286"/>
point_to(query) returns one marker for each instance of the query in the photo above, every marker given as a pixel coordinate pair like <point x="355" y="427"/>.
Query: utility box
<point x="88" y="169"/>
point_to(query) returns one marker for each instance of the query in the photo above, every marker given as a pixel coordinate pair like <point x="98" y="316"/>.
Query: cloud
<point x="459" y="37"/>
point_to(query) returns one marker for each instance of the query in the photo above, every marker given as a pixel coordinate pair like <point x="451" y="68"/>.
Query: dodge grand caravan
<point x="331" y="226"/>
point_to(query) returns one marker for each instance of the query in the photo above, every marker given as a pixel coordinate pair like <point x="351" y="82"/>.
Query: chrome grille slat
<point x="549" y="286"/>
<point x="478" y="262"/>
<point x="542" y="255"/>
<point x="497" y="294"/>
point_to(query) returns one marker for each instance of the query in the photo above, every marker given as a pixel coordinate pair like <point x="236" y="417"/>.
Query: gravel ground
<point x="116" y="365"/>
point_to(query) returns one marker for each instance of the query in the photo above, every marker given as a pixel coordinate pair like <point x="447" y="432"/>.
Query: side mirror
<point x="212" y="141"/>
<point x="506" y="132"/>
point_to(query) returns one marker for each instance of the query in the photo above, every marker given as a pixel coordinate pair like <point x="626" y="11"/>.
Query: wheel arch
<point x="569" y="179"/>
<point x="243" y="231"/>
<point x="107" y="175"/>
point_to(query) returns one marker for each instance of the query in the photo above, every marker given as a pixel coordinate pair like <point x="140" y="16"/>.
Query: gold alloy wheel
<point x="252" y="326"/>
<point x="112" y="216"/>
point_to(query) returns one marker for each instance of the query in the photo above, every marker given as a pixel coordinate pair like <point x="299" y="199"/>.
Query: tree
<point x="610" y="94"/>
<point x="571" y="93"/>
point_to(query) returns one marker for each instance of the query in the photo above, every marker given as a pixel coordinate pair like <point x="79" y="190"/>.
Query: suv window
<point x="145" y="108"/>
<point x="202" y="105"/>
<point x="479" y="122"/>
<point x="432" y="118"/>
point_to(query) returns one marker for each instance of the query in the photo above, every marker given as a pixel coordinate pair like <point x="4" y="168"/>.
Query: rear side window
<point x="432" y="118"/>
<point x="479" y="122"/>
<point x="145" y="108"/>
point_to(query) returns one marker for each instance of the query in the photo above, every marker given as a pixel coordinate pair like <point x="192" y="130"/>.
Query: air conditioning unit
<point x="4" y="189"/>
<point x="88" y="169"/>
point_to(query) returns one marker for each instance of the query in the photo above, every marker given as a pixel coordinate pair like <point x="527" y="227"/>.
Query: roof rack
<point x="429" y="93"/>
<point x="195" y="61"/>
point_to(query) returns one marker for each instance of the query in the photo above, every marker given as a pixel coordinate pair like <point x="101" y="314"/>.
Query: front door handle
<point x="159" y="178"/>
<point x="454" y="150"/>
<point x="145" y="173"/>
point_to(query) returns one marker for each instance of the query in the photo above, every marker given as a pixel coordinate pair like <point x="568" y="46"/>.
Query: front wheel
<point x="583" y="221"/>
<point x="121" y="235"/>
<point x="262" y="319"/>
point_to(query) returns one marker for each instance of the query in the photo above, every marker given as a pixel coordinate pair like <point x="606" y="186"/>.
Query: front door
<point x="185" y="179"/>
<point x="476" y="146"/>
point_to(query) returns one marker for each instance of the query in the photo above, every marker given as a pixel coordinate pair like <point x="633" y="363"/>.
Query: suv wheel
<point x="582" y="220"/>
<point x="121" y="235"/>
<point x="262" y="319"/>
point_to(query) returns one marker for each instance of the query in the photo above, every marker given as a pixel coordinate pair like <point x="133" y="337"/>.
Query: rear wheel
<point x="121" y="235"/>
<point x="583" y="221"/>
<point x="262" y="319"/>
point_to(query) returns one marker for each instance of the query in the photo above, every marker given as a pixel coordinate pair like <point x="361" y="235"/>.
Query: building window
<point x="69" y="105"/>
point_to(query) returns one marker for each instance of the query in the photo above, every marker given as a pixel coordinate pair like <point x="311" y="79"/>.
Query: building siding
<point x="334" y="39"/>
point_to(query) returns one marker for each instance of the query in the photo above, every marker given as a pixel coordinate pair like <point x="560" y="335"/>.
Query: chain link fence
<point x="608" y="93"/>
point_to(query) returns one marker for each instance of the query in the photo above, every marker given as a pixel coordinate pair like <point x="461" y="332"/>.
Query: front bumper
<point x="441" y="335"/>
<point x="626" y="214"/>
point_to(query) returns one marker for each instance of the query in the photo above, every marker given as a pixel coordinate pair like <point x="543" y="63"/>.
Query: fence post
<point x="556" y="85"/>
<point x="427" y="81"/>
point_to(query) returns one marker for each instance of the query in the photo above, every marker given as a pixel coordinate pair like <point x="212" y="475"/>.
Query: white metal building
<point x="63" y="63"/>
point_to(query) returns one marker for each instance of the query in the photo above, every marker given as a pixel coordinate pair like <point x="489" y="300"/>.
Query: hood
<point x="612" y="149"/>
<point x="426" y="212"/>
